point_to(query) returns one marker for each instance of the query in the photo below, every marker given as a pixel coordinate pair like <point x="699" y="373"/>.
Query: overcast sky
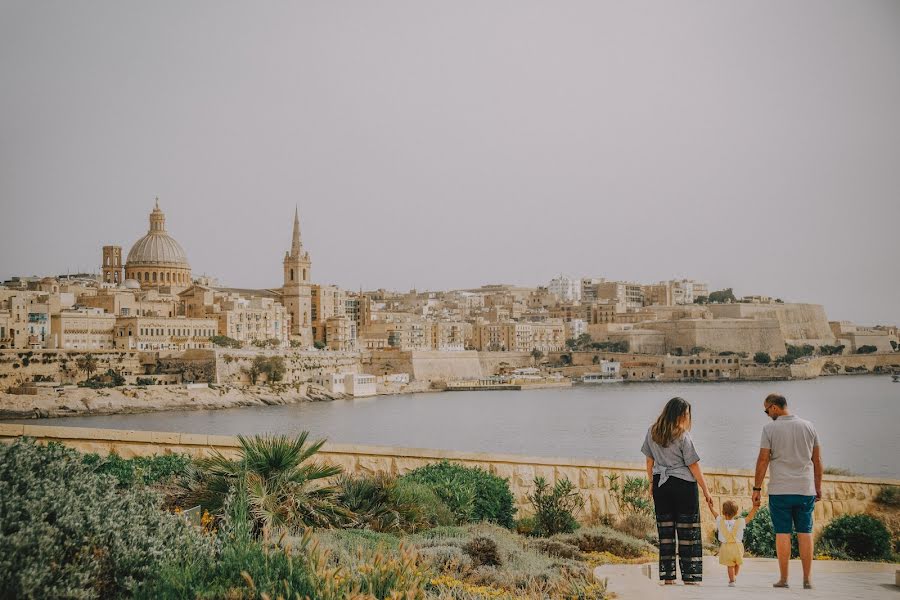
<point x="753" y="145"/>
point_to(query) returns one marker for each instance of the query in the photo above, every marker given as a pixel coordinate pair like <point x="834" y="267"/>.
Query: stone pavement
<point x="833" y="580"/>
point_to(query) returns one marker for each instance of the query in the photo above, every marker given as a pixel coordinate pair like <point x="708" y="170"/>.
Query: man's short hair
<point x="776" y="400"/>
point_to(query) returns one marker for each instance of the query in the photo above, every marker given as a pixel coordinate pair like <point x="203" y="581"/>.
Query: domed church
<point x="157" y="260"/>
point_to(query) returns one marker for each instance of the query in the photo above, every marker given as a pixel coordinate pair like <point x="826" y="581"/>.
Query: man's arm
<point x="762" y="465"/>
<point x="817" y="471"/>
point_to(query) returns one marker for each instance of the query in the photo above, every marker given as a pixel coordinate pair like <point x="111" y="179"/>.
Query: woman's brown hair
<point x="669" y="426"/>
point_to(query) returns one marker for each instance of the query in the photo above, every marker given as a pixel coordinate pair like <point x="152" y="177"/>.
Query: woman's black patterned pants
<point x="677" y="505"/>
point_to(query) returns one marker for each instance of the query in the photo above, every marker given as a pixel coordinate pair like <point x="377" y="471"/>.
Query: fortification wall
<point x="20" y="366"/>
<point x="720" y="335"/>
<point x="232" y="366"/>
<point x="434" y="365"/>
<point x="492" y="361"/>
<point x="841" y="495"/>
<point x="799" y="323"/>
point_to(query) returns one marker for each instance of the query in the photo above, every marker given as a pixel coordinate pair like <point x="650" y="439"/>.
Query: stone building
<point x="326" y="301"/>
<point x="174" y="334"/>
<point x="112" y="266"/>
<point x="258" y="318"/>
<point x="83" y="329"/>
<point x="296" y="292"/>
<point x="340" y="333"/>
<point x="157" y="260"/>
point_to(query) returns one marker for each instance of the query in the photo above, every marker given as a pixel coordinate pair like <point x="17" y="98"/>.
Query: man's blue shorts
<point x="792" y="512"/>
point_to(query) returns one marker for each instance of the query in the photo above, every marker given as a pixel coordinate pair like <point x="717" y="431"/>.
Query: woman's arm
<point x="697" y="472"/>
<point x="650" y="470"/>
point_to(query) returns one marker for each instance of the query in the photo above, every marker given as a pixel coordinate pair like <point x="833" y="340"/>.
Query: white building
<point x="565" y="288"/>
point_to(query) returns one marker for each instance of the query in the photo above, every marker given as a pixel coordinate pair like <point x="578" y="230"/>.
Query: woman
<point x="674" y="468"/>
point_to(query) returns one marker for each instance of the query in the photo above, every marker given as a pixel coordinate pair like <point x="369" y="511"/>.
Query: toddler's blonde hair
<point x="729" y="509"/>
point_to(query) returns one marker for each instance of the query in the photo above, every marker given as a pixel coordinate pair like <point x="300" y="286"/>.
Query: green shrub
<point x="104" y="380"/>
<point x="866" y="349"/>
<point x="367" y="498"/>
<point x="759" y="536"/>
<point x="632" y="496"/>
<point x="471" y="493"/>
<point x="419" y="506"/>
<point x="146" y="381"/>
<point x="552" y="547"/>
<point x="862" y="537"/>
<point x="555" y="508"/>
<point x="604" y="539"/>
<point x="638" y="525"/>
<point x="888" y="495"/>
<point x="145" y="470"/>
<point x="762" y="358"/>
<point x="483" y="551"/>
<point x="223" y="341"/>
<point x="67" y="532"/>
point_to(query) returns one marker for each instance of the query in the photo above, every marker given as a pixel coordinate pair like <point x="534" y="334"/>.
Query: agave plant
<point x="285" y="489"/>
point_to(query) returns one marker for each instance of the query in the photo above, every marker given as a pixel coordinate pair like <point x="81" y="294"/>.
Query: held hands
<point x="757" y="498"/>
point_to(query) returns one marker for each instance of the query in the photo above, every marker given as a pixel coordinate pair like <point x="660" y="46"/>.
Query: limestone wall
<point x="19" y="366"/>
<point x="841" y="495"/>
<point x="492" y="361"/>
<point x="720" y="335"/>
<point x="301" y="366"/>
<point x="432" y="365"/>
<point x="799" y="323"/>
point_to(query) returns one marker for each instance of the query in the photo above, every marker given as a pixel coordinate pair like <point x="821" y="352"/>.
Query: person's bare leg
<point x="806" y="552"/>
<point x="737" y="569"/>
<point x="731" y="574"/>
<point x="783" y="550"/>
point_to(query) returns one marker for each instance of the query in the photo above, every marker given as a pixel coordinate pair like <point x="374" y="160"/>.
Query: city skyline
<point x="599" y="141"/>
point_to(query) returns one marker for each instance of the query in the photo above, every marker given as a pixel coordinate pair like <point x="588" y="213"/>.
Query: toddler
<point x="731" y="533"/>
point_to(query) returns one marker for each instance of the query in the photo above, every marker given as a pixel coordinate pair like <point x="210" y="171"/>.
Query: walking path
<point x="835" y="580"/>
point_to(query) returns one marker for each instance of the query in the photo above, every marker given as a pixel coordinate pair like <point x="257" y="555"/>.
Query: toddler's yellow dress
<point x="731" y="552"/>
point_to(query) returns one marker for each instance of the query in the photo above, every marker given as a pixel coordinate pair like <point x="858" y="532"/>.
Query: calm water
<point x="856" y="417"/>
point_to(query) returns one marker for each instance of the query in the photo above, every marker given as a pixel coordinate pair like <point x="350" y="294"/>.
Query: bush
<point x="68" y="532"/>
<point x="223" y="341"/>
<point x="604" y="539"/>
<point x="483" y="551"/>
<point x="555" y="508"/>
<point x="866" y="349"/>
<point x="145" y="470"/>
<point x="633" y="496"/>
<point x="762" y="358"/>
<point x="105" y="380"/>
<point x="419" y="506"/>
<point x="471" y="493"/>
<point x="146" y="381"/>
<point x="759" y="536"/>
<point x="888" y="495"/>
<point x="862" y="537"/>
<point x="638" y="525"/>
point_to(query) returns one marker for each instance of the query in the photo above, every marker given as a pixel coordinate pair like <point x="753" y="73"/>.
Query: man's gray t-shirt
<point x="790" y="441"/>
<point x="672" y="460"/>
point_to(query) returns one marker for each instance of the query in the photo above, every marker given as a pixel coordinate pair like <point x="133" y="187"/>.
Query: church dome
<point x="157" y="247"/>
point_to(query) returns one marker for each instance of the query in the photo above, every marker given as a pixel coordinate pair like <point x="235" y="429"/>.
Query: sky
<point x="440" y="145"/>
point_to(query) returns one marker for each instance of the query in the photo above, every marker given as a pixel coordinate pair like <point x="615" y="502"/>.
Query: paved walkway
<point x="832" y="579"/>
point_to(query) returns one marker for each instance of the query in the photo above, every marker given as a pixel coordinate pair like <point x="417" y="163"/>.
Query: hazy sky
<point x="458" y="143"/>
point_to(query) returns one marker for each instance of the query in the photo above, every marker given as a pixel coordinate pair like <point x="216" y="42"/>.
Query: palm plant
<point x="285" y="489"/>
<point x="369" y="500"/>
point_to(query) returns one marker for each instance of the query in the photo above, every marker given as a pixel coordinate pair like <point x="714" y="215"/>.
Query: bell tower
<point x="112" y="264"/>
<point x="296" y="291"/>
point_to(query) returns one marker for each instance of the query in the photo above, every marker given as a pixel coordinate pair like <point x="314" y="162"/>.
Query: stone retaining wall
<point x="841" y="495"/>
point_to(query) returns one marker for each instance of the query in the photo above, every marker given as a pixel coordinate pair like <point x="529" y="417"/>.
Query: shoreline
<point x="126" y="400"/>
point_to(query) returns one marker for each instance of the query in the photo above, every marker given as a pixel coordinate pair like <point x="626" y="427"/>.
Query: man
<point x="790" y="446"/>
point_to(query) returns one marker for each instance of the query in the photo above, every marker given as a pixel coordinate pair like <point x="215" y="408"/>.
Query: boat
<point x="592" y="378"/>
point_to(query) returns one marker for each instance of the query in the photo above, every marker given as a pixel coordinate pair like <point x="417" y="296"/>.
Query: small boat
<point x="591" y="378"/>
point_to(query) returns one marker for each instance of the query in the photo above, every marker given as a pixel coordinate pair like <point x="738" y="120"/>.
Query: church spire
<point x="296" y="245"/>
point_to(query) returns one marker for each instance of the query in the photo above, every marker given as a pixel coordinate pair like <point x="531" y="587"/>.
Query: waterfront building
<point x="156" y="260"/>
<point x="451" y="336"/>
<point x="256" y="319"/>
<point x="702" y="366"/>
<point x="83" y="329"/>
<point x="340" y="333"/>
<point x="173" y="334"/>
<point x="326" y="301"/>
